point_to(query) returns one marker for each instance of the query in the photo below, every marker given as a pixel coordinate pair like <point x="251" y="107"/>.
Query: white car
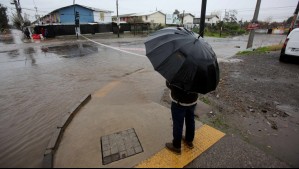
<point x="291" y="46"/>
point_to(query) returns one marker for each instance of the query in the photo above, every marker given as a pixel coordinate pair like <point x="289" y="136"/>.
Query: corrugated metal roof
<point x="93" y="9"/>
<point x="96" y="9"/>
<point x="147" y="13"/>
<point x="139" y="14"/>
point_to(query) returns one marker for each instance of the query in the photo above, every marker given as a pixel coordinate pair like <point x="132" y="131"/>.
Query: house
<point x="66" y="16"/>
<point x="156" y="17"/>
<point x="187" y="20"/>
<point x="210" y="19"/>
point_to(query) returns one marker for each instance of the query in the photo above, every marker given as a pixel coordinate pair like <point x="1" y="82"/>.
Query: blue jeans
<point x="179" y="114"/>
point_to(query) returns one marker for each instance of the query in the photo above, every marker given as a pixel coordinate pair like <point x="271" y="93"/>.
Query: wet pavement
<point x="40" y="84"/>
<point x="41" y="80"/>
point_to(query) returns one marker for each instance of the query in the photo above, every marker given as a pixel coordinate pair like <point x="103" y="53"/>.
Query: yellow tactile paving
<point x="106" y="89"/>
<point x="205" y="137"/>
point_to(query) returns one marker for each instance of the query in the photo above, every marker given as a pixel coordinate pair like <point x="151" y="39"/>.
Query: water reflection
<point x="29" y="52"/>
<point x="13" y="53"/>
<point x="71" y="50"/>
<point x="7" y="38"/>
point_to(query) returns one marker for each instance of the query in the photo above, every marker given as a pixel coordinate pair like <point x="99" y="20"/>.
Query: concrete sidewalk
<point x="123" y="105"/>
<point x="132" y="103"/>
<point x="107" y="113"/>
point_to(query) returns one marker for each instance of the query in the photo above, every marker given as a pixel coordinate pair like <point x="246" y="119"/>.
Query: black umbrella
<point x="183" y="59"/>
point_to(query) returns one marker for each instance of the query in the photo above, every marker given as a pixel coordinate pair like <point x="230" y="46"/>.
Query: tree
<point x="3" y="18"/>
<point x="269" y="19"/>
<point x="231" y="16"/>
<point x="218" y="13"/>
<point x="289" y="20"/>
<point x="27" y="22"/>
<point x="16" y="21"/>
<point x="177" y="12"/>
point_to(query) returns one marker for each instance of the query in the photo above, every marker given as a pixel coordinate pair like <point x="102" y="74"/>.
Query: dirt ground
<point x="257" y="99"/>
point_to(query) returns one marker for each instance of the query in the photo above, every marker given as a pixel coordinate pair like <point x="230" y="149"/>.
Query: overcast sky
<point x="278" y="10"/>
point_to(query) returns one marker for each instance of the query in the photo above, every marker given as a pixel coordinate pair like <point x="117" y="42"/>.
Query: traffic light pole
<point x="202" y="17"/>
<point x="76" y="30"/>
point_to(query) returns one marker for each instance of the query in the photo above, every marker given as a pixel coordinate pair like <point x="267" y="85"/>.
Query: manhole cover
<point x="120" y="145"/>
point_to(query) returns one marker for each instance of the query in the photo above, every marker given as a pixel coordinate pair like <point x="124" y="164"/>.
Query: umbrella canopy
<point x="183" y="59"/>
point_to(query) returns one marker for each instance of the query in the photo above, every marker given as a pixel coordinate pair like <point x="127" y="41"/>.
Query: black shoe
<point x="170" y="147"/>
<point x="189" y="144"/>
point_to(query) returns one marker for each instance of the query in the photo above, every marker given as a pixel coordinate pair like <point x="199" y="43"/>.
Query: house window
<point x="146" y="17"/>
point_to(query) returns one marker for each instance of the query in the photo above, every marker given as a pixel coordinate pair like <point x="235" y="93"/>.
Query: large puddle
<point x="40" y="83"/>
<point x="71" y="50"/>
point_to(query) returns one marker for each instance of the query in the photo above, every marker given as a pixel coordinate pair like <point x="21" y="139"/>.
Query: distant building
<point x="212" y="19"/>
<point x="188" y="20"/>
<point x="65" y="16"/>
<point x="156" y="17"/>
<point x="209" y="19"/>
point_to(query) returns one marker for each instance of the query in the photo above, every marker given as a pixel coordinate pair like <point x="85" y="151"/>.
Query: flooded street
<point x="40" y="84"/>
<point x="41" y="81"/>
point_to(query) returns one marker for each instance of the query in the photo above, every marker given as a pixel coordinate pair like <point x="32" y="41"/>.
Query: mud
<point x="258" y="99"/>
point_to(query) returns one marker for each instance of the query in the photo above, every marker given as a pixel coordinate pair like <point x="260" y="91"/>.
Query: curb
<point x="58" y="133"/>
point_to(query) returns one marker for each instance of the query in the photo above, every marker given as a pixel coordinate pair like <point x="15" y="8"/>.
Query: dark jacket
<point x="181" y="96"/>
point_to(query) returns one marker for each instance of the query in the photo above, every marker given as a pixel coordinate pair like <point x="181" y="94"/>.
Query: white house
<point x="155" y="17"/>
<point x="188" y="20"/>
<point x="212" y="19"/>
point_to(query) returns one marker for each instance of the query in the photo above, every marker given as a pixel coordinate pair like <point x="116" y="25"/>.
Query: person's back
<point x="182" y="109"/>
<point x="182" y="97"/>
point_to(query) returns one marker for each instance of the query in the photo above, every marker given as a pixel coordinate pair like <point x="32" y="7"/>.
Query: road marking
<point x="111" y="47"/>
<point x="133" y="49"/>
<point x="106" y="89"/>
<point x="205" y="137"/>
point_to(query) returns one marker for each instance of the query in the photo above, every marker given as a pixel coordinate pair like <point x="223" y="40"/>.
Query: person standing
<point x="27" y="33"/>
<point x="182" y="109"/>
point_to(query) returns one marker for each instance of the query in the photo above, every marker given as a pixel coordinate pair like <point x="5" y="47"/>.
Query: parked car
<point x="291" y="46"/>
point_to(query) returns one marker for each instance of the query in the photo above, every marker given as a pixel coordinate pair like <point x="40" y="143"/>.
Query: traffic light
<point x="77" y="19"/>
<point x="77" y="15"/>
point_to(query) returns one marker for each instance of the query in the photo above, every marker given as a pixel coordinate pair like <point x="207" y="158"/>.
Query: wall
<point x="188" y="19"/>
<point x="212" y="20"/>
<point x="67" y="15"/>
<point x="102" y="17"/>
<point x="156" y="18"/>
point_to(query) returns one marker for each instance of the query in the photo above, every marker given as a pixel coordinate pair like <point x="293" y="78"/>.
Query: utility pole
<point x="183" y="18"/>
<point x="19" y="11"/>
<point x="254" y="20"/>
<point x="202" y="17"/>
<point x="117" y="18"/>
<point x="294" y="18"/>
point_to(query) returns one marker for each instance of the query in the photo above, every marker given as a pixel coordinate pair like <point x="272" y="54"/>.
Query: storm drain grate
<point x="120" y="145"/>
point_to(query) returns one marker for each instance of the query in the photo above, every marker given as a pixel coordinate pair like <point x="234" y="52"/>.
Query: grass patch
<point x="218" y="122"/>
<point x="205" y="100"/>
<point x="261" y="50"/>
